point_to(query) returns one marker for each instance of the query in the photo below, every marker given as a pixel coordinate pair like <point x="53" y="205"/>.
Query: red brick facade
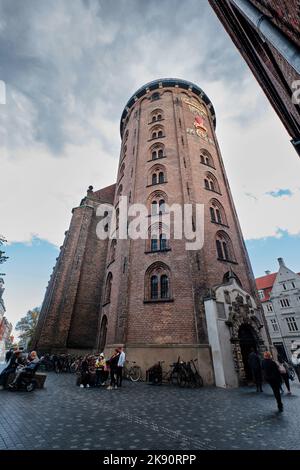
<point x="273" y="71"/>
<point x="193" y="172"/>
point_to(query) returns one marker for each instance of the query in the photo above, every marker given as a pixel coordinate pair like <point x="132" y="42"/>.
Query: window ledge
<point x="156" y="184"/>
<point x="157" y="251"/>
<point x="227" y="261"/>
<point x="213" y="191"/>
<point x="210" y="166"/>
<point x="219" y="223"/>
<point x="158" y="301"/>
<point x="155" y="159"/>
<point x="155" y="122"/>
<point x="156" y="138"/>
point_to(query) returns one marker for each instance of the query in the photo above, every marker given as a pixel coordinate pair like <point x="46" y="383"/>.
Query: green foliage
<point x="27" y="324"/>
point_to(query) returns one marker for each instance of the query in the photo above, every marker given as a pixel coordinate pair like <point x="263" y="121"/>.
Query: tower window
<point x="155" y="96"/>
<point x="206" y="158"/>
<point x="154" y="287"/>
<point x="157" y="282"/>
<point x="108" y="288"/>
<point x="224" y="247"/>
<point x="211" y="183"/>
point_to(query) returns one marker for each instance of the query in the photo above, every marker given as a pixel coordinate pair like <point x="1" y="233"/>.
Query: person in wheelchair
<point x="27" y="371"/>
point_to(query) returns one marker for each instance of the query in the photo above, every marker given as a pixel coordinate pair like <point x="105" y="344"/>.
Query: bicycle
<point x="133" y="373"/>
<point x="191" y="375"/>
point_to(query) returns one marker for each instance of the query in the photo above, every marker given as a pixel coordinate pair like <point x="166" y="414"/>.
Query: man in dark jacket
<point x="273" y="377"/>
<point x="255" y="366"/>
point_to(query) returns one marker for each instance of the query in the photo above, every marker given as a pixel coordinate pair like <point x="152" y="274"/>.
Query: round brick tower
<point x="154" y="296"/>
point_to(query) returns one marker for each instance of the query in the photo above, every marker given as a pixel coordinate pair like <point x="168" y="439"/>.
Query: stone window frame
<point x="224" y="247"/>
<point x="215" y="205"/>
<point x="158" y="269"/>
<point x="211" y="183"/>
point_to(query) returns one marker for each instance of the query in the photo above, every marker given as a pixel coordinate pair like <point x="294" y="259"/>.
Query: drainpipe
<point x="270" y="32"/>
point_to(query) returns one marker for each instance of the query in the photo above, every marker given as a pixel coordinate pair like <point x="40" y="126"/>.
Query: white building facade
<point x="280" y="297"/>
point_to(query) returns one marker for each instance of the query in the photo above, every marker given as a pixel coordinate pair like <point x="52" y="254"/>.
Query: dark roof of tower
<point x="166" y="82"/>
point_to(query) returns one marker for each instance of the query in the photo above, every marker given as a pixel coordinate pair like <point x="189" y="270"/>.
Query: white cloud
<point x="69" y="73"/>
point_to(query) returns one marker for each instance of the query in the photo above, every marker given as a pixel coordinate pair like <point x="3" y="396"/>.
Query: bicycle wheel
<point x="173" y="379"/>
<point x="135" y="373"/>
<point x="182" y="379"/>
<point x="199" y="380"/>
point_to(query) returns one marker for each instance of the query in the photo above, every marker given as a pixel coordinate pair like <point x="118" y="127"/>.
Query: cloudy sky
<point x="69" y="68"/>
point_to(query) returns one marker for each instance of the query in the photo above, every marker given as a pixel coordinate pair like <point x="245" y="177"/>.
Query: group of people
<point x="19" y="363"/>
<point x="275" y="373"/>
<point x="97" y="371"/>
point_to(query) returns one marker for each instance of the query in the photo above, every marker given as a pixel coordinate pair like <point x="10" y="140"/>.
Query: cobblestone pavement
<point x="142" y="416"/>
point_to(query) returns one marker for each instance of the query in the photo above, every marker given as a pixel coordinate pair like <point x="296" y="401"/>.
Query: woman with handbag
<point x="284" y="372"/>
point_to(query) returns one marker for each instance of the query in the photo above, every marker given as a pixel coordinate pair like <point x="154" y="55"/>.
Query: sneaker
<point x="289" y="393"/>
<point x="81" y="386"/>
<point x="87" y="386"/>
<point x="109" y="387"/>
<point x="115" y="387"/>
<point x="280" y="409"/>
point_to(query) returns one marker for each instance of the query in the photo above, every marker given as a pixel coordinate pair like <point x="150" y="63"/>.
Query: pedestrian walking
<point x="121" y="363"/>
<point x="113" y="366"/>
<point x="273" y="377"/>
<point x="284" y="371"/>
<point x="255" y="366"/>
<point x="85" y="374"/>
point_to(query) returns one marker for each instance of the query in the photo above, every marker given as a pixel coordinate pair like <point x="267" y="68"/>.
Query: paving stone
<point x="65" y="417"/>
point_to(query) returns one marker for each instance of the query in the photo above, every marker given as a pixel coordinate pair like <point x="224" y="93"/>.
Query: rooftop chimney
<point x="268" y="272"/>
<point x="281" y="262"/>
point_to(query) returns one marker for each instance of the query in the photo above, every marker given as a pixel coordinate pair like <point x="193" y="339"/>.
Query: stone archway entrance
<point x="247" y="340"/>
<point x="103" y="332"/>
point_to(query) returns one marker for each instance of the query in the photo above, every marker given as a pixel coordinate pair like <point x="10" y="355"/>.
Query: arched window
<point x="217" y="212"/>
<point x="108" y="285"/>
<point x="164" y="286"/>
<point x="157" y="151"/>
<point x="161" y="177"/>
<point x="157" y="202"/>
<point x="156" y="115"/>
<point x="224" y="247"/>
<point x="157" y="174"/>
<point x="158" y="237"/>
<point x="162" y="206"/>
<point x="120" y="190"/>
<point x="158" y="282"/>
<point x="154" y="178"/>
<point x="112" y="253"/>
<point x="154" y="207"/>
<point x="154" y="243"/>
<point x="121" y="172"/>
<point x="163" y="241"/>
<point x="124" y="152"/>
<point x="211" y="183"/>
<point x="103" y="332"/>
<point x="156" y="132"/>
<point x="154" y="287"/>
<point x="206" y="158"/>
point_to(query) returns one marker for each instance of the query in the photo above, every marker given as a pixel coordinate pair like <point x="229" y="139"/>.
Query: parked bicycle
<point x="133" y="373"/>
